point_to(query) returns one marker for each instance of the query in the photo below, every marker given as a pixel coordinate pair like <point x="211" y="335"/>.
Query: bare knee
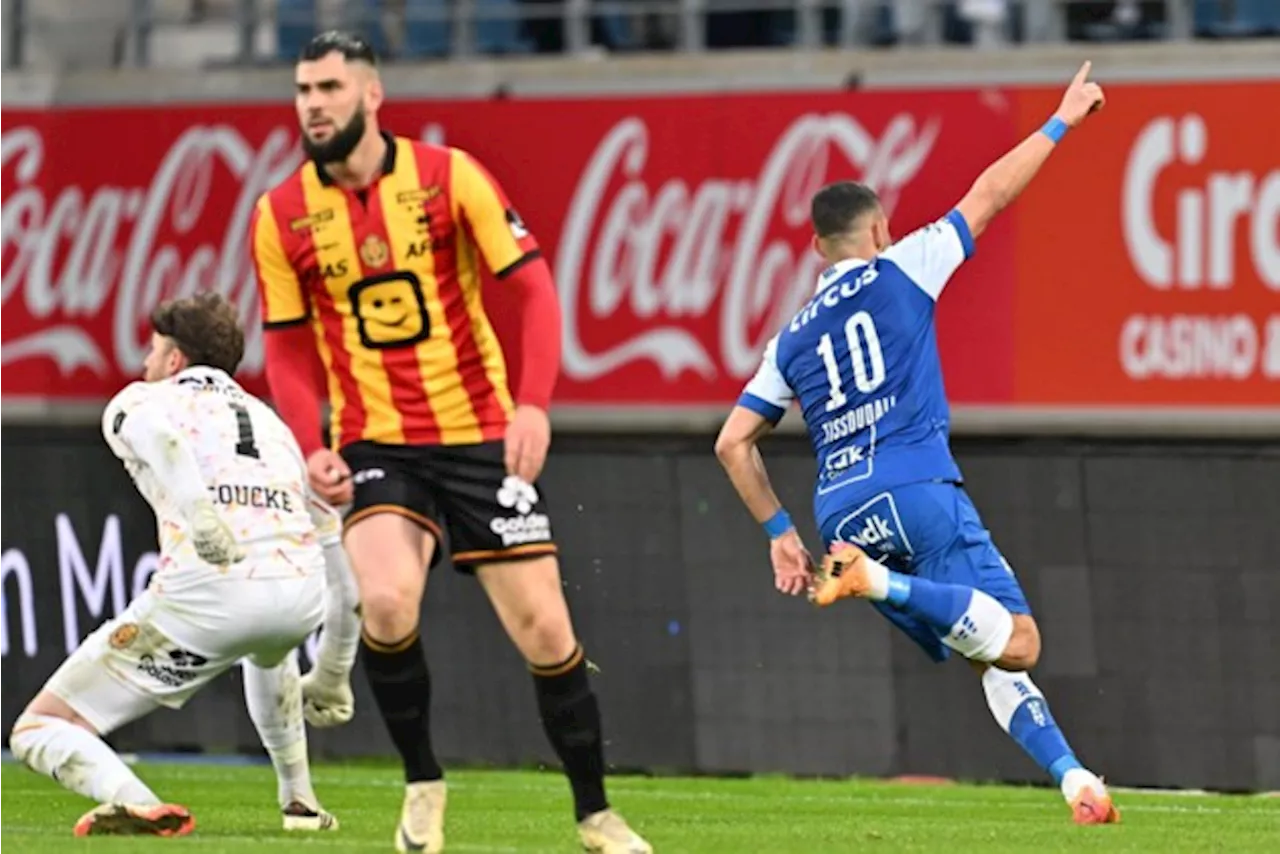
<point x="539" y="625"/>
<point x="389" y="556"/>
<point x="1023" y="650"/>
<point x="544" y="638"/>
<point x="530" y="603"/>
<point x="390" y="611"/>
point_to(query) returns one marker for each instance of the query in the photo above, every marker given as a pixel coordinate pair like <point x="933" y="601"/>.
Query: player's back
<point x="862" y="361"/>
<point x="250" y="463"/>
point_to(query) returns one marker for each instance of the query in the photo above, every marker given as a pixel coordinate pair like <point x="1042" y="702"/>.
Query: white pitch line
<point x="310" y="840"/>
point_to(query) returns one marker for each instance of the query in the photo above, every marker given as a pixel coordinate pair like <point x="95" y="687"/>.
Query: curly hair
<point x="204" y="327"/>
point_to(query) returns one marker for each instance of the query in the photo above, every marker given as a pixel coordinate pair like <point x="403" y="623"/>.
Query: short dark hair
<point x="836" y="207"/>
<point x="204" y="327"/>
<point x="352" y="46"/>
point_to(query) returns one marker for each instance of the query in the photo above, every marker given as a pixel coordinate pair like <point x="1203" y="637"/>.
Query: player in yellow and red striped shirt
<point x="370" y="256"/>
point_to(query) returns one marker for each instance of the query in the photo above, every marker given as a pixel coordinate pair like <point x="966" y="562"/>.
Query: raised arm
<point x="1004" y="180"/>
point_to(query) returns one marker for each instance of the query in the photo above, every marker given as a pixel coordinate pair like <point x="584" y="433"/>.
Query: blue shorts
<point x="930" y="530"/>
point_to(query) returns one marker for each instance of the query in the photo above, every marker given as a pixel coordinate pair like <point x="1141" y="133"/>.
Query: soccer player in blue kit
<point x="862" y="362"/>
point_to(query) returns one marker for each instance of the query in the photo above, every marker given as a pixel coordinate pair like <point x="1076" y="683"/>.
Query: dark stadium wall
<point x="1151" y="568"/>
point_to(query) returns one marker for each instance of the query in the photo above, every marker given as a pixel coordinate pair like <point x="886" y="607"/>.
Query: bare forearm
<point x="746" y="471"/>
<point x="1004" y="180"/>
<point x="1009" y="176"/>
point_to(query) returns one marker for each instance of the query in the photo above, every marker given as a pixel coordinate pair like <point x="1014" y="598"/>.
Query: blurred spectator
<point x="1236" y="18"/>
<point x="425" y="28"/>
<point x="1116" y="20"/>
<point x="415" y="29"/>
<point x="298" y="20"/>
<point x="544" y="28"/>
<point x="988" y="19"/>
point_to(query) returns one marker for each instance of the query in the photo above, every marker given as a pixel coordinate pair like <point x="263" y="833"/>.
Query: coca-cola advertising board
<point x="676" y="227"/>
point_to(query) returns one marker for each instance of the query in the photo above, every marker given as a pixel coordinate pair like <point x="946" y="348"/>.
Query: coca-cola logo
<point x="689" y="272"/>
<point x="69" y="257"/>
<point x="677" y="251"/>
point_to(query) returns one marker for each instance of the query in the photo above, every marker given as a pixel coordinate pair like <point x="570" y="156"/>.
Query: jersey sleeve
<point x="498" y="232"/>
<point x="929" y="256"/>
<point x="129" y="399"/>
<point x="139" y="432"/>
<point x="284" y="302"/>
<point x="767" y="394"/>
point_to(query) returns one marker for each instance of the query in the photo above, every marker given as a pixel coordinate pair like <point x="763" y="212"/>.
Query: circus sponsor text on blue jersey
<point x="861" y="360"/>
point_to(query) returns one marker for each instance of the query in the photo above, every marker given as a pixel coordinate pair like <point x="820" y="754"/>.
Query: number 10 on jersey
<point x="865" y="356"/>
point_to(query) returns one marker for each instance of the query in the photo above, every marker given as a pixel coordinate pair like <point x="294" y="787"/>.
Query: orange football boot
<point x="1091" y="807"/>
<point x="130" y="820"/>
<point x="842" y="575"/>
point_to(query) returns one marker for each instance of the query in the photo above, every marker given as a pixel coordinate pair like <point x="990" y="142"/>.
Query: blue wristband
<point x="1055" y="129"/>
<point x="778" y="524"/>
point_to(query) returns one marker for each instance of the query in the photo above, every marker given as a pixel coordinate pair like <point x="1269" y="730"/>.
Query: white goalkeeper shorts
<point x="165" y="647"/>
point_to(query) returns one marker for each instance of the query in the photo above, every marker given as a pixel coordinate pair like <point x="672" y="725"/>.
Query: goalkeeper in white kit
<point x="244" y="554"/>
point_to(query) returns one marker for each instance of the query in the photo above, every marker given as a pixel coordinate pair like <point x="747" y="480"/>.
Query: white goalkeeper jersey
<point x="197" y="434"/>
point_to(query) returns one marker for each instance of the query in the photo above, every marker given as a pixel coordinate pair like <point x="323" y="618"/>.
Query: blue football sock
<point x="1021" y="711"/>
<point x="1036" y="732"/>
<point x="938" y="604"/>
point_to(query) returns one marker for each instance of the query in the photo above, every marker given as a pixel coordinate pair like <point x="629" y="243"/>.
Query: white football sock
<point x="274" y="697"/>
<point x="878" y="577"/>
<point x="1078" y="779"/>
<point x="78" y="760"/>
<point x="982" y="633"/>
<point x="1006" y="691"/>
<point x="340" y="637"/>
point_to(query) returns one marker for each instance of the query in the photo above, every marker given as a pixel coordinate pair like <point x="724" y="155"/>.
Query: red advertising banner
<point x="676" y="226"/>
<point x="1148" y="252"/>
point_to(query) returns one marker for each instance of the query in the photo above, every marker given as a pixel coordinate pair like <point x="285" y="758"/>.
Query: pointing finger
<point x="1083" y="73"/>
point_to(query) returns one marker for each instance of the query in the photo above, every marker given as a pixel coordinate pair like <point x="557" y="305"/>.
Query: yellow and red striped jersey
<point x="389" y="279"/>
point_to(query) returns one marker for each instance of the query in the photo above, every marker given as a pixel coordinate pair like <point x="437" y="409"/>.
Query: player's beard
<point x="337" y="148"/>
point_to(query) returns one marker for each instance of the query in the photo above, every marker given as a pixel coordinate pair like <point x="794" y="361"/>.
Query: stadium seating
<point x="200" y="33"/>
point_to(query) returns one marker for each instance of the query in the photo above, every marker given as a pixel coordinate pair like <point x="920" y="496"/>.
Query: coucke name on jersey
<point x="259" y="497"/>
<point x="829" y="297"/>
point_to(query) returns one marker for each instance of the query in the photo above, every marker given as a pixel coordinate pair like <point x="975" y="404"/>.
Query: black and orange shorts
<point x="461" y="494"/>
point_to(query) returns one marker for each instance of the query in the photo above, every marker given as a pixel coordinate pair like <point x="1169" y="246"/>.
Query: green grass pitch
<point x="515" y="811"/>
